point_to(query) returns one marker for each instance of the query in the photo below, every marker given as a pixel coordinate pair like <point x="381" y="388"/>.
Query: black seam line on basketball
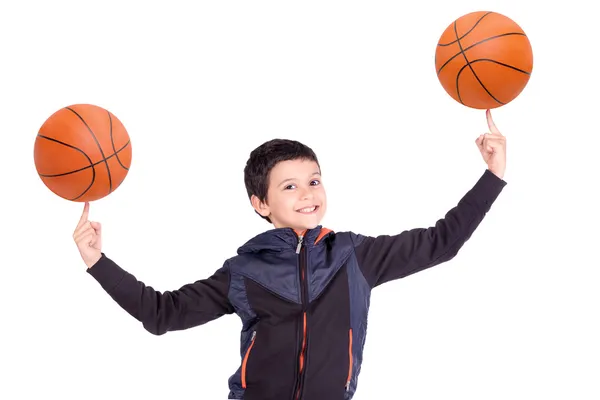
<point x="86" y="156"/>
<point x="472" y="70"/>
<point x="469" y="31"/>
<point x="478" y="43"/>
<point x="84" y="168"/>
<point x="495" y="62"/>
<point x="112" y="141"/>
<point x="99" y="147"/>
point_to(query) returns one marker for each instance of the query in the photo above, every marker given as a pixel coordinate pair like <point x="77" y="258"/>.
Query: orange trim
<point x="350" y="355"/>
<point x="324" y="231"/>
<point x="301" y="358"/>
<point x="303" y="345"/>
<point x="245" y="363"/>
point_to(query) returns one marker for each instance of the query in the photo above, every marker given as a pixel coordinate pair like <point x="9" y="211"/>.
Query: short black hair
<point x="265" y="157"/>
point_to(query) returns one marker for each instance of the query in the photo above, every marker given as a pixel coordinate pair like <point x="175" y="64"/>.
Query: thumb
<point x="479" y="142"/>
<point x="97" y="227"/>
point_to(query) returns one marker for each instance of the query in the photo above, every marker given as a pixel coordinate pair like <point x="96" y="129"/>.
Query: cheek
<point x="321" y="194"/>
<point x="290" y="203"/>
<point x="283" y="203"/>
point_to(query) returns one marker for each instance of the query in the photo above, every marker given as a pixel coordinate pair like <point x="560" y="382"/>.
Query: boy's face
<point x="296" y="197"/>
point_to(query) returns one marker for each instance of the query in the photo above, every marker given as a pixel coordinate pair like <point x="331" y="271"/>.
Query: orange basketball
<point x="483" y="60"/>
<point x="82" y="153"/>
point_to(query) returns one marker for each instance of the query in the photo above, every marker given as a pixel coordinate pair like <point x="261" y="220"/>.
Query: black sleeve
<point x="385" y="258"/>
<point x="192" y="305"/>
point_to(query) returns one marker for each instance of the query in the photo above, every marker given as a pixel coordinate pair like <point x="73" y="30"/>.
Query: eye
<point x="289" y="187"/>
<point x="315" y="182"/>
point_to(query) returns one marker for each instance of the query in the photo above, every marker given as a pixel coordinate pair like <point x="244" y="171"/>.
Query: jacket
<point x="303" y="300"/>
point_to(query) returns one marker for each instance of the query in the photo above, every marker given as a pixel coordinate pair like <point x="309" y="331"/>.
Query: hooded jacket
<point x="303" y="300"/>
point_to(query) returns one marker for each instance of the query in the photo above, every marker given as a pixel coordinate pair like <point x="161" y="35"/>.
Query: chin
<point x="310" y="224"/>
<point x="310" y="221"/>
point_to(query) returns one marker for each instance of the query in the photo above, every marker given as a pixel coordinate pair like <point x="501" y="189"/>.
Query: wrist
<point x="92" y="261"/>
<point x="498" y="173"/>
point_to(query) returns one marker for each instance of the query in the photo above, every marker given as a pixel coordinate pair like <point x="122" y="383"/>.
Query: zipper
<point x="350" y="360"/>
<point x="245" y="362"/>
<point x="299" y="247"/>
<point x="304" y="331"/>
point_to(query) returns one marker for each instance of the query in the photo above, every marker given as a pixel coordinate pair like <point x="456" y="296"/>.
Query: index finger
<point x="84" y="215"/>
<point x="491" y="123"/>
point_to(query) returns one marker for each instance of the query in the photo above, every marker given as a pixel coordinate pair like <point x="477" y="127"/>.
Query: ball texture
<point x="82" y="153"/>
<point x="484" y="60"/>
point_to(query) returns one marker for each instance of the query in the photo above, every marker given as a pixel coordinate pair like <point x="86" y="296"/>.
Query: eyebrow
<point x="291" y="179"/>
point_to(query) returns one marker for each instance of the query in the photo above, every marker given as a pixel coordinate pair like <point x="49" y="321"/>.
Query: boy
<point x="301" y="291"/>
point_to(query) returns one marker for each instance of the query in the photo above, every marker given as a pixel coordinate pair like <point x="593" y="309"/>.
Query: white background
<point x="513" y="316"/>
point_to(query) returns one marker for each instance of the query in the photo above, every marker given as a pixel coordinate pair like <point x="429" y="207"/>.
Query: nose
<point x="306" y="194"/>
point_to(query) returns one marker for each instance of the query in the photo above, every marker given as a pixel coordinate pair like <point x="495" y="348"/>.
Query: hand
<point x="88" y="237"/>
<point x="493" y="148"/>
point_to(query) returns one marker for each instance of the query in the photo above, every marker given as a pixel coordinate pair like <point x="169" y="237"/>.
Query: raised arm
<point x="389" y="257"/>
<point x="191" y="305"/>
<point x="385" y="258"/>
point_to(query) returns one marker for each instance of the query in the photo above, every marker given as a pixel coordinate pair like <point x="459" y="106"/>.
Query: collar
<point x="279" y="239"/>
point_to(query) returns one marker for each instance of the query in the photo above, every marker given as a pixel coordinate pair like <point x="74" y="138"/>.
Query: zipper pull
<point x="347" y="386"/>
<point x="253" y="335"/>
<point x="300" y="238"/>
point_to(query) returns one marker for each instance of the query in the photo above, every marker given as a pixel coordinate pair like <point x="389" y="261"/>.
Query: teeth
<point x="307" y="209"/>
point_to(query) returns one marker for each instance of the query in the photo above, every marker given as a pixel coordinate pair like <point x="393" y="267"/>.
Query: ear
<point x="261" y="207"/>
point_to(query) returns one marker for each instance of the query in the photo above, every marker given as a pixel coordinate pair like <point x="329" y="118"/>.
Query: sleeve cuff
<point x="107" y="273"/>
<point x="486" y="190"/>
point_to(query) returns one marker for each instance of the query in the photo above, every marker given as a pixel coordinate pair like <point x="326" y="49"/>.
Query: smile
<point x="308" y="210"/>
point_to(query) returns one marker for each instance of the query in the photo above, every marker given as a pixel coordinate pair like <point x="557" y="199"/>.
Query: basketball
<point x="483" y="60"/>
<point x="82" y="153"/>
